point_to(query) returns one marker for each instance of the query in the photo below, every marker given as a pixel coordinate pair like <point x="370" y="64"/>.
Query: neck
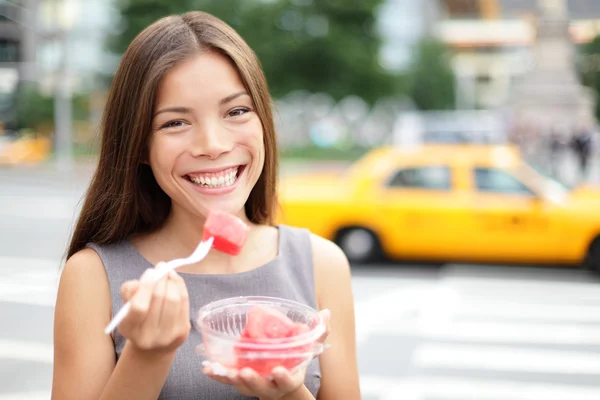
<point x="186" y="228"/>
<point x="182" y="232"/>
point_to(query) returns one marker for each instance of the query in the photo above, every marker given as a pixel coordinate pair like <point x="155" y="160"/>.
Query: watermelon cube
<point x="264" y="322"/>
<point x="228" y="231"/>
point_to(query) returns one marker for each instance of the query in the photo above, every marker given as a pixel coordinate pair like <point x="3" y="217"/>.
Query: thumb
<point x="326" y="315"/>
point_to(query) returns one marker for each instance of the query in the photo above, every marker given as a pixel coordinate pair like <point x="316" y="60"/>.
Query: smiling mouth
<point x="220" y="179"/>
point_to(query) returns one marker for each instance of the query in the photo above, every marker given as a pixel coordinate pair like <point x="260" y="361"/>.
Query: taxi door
<point x="510" y="221"/>
<point x="424" y="212"/>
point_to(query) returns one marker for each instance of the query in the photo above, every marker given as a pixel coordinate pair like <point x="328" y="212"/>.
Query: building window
<point x="9" y="51"/>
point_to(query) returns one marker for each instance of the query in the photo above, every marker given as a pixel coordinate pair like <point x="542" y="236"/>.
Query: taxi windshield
<point x="550" y="185"/>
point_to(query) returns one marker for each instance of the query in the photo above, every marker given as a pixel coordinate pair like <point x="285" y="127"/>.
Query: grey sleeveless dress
<point x="289" y="275"/>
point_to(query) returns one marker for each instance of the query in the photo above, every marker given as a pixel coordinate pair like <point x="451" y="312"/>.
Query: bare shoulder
<point x="83" y="258"/>
<point x="83" y="308"/>
<point x="83" y="267"/>
<point x="83" y="280"/>
<point x="327" y="256"/>
<point x="84" y="286"/>
<point x="333" y="287"/>
<point x="330" y="264"/>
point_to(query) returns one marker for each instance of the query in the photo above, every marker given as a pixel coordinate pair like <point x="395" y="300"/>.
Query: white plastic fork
<point x="162" y="269"/>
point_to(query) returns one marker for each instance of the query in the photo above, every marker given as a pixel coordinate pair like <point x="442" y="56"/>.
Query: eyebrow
<point x="185" y="110"/>
<point x="231" y="97"/>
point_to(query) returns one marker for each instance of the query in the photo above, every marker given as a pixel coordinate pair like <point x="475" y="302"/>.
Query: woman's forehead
<point x="209" y="75"/>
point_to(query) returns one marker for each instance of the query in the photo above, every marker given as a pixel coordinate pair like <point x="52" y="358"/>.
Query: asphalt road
<point x="449" y="332"/>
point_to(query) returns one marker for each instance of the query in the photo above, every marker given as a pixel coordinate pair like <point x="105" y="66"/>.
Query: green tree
<point x="431" y="78"/>
<point x="589" y="69"/>
<point x="316" y="45"/>
<point x="34" y="109"/>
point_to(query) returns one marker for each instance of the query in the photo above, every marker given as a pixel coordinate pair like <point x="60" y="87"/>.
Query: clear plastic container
<point x="222" y="322"/>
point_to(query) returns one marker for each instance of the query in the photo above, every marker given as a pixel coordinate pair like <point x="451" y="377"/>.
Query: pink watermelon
<point x="228" y="231"/>
<point x="268" y="323"/>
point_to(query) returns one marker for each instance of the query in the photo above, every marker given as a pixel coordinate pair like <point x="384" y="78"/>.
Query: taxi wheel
<point x="592" y="260"/>
<point x="360" y="245"/>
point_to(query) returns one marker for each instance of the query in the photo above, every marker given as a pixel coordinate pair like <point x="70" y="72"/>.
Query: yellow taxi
<point x="25" y="150"/>
<point x="473" y="203"/>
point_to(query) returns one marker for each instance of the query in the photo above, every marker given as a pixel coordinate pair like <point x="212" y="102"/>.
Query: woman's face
<point x="206" y="149"/>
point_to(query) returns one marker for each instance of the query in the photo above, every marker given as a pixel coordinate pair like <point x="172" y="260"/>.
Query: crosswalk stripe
<point x="27" y="351"/>
<point x="504" y="287"/>
<point x="422" y="387"/>
<point x="37" y="395"/>
<point x="31" y="281"/>
<point x="564" y="313"/>
<point x="397" y="301"/>
<point x="499" y="332"/>
<point x="27" y="294"/>
<point x="505" y="358"/>
<point x="46" y="208"/>
<point x="30" y="265"/>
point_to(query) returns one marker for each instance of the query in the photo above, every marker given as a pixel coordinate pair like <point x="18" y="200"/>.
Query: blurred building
<point x="17" y="56"/>
<point x="80" y="27"/>
<point x="494" y="43"/>
<point x="550" y="96"/>
<point x="402" y="23"/>
<point x="58" y="46"/>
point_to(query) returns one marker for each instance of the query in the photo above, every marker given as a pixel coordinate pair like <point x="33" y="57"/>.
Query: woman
<point x="188" y="128"/>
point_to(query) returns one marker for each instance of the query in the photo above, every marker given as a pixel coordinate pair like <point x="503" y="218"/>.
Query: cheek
<point x="256" y="143"/>
<point x="162" y="156"/>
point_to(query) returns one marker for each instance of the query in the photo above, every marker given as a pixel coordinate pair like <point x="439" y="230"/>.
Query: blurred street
<point x="476" y="126"/>
<point x="454" y="332"/>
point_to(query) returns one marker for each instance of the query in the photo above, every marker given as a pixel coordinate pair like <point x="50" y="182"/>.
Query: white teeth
<point x="224" y="180"/>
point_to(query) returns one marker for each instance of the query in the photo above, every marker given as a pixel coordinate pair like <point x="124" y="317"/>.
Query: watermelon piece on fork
<point x="229" y="232"/>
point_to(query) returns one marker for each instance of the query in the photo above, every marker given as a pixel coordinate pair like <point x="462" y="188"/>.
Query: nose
<point x="211" y="141"/>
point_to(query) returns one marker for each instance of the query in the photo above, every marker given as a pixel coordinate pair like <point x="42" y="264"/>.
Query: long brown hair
<point x="123" y="197"/>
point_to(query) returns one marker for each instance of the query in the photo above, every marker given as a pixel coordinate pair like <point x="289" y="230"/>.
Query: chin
<point x="231" y="206"/>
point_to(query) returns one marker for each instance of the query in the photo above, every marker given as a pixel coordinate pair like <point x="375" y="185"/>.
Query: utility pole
<point x="63" y="115"/>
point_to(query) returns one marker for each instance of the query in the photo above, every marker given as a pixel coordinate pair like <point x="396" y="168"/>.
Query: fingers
<point x="152" y="320"/>
<point x="128" y="289"/>
<point x="283" y="379"/>
<point x="170" y="319"/>
<point x="326" y="314"/>
<point x="183" y="293"/>
<point x="249" y="381"/>
<point x="208" y="371"/>
<point x="140" y="302"/>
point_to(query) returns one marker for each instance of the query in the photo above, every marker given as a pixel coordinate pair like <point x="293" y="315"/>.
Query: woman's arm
<point x="339" y="369"/>
<point x="84" y="357"/>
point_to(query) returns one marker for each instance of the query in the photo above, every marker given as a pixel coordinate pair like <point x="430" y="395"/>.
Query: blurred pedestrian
<point x="556" y="149"/>
<point x="581" y="143"/>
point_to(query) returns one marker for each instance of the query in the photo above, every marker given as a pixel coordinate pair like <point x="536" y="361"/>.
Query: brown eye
<point x="173" y="124"/>
<point x="236" y="112"/>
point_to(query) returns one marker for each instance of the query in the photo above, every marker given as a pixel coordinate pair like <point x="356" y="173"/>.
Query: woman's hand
<point x="250" y="383"/>
<point x="158" y="321"/>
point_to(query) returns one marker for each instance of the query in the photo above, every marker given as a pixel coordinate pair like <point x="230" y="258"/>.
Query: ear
<point x="145" y="158"/>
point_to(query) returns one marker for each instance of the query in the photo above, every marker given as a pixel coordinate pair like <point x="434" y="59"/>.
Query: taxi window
<point x="498" y="181"/>
<point x="433" y="177"/>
